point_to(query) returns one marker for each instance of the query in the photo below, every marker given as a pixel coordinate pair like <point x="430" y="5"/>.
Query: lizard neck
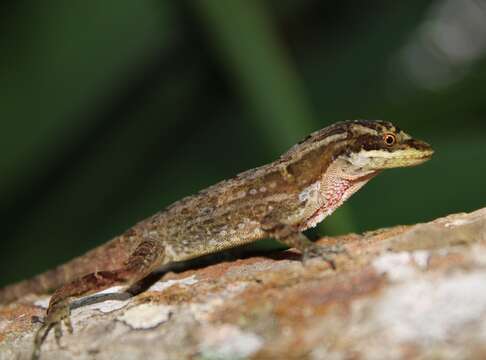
<point x="337" y="184"/>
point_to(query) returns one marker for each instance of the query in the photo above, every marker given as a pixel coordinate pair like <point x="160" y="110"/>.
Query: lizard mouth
<point x="386" y="159"/>
<point x="416" y="159"/>
<point x="400" y="158"/>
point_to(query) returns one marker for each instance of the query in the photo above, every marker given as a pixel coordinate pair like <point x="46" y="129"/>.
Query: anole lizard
<point x="279" y="200"/>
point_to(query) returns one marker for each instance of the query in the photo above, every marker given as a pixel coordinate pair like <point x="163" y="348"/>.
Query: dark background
<point x="111" y="110"/>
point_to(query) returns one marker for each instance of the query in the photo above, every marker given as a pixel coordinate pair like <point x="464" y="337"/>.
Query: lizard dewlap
<point x="279" y="200"/>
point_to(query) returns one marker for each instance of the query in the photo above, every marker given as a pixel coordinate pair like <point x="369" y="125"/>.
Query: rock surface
<point x="406" y="292"/>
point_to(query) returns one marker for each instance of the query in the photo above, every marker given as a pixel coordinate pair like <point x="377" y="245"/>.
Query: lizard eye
<point x="389" y="139"/>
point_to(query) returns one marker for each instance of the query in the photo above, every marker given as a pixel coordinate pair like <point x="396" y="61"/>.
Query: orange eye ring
<point x="389" y="139"/>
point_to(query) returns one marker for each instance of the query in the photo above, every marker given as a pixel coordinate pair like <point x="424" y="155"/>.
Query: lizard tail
<point x="109" y="256"/>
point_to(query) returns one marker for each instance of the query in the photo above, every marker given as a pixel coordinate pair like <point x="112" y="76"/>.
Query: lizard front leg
<point x="147" y="257"/>
<point x="292" y="237"/>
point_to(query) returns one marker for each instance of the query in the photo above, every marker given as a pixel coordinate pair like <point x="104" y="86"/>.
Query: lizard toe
<point x="57" y="314"/>
<point x="37" y="319"/>
<point x="317" y="251"/>
<point x="68" y="324"/>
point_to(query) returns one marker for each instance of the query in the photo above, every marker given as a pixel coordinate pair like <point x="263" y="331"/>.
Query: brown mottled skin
<point x="278" y="200"/>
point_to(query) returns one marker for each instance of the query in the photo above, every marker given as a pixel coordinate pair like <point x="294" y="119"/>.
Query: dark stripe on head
<point x="335" y="129"/>
<point x="418" y="144"/>
<point x="345" y="127"/>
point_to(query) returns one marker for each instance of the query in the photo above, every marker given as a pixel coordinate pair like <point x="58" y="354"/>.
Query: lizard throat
<point x="338" y="190"/>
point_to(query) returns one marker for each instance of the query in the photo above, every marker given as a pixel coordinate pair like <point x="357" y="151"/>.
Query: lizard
<point x="279" y="200"/>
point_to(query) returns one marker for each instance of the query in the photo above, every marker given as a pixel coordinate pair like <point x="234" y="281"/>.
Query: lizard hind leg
<point x="147" y="257"/>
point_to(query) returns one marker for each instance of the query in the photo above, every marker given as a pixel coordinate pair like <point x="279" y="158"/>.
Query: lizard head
<point x="356" y="148"/>
<point x="344" y="157"/>
<point x="377" y="145"/>
<point x="331" y="164"/>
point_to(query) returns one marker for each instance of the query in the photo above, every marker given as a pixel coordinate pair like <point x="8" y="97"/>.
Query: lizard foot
<point x="324" y="252"/>
<point x="57" y="314"/>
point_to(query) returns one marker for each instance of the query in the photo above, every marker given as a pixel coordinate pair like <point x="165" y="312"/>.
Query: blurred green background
<point x="111" y="110"/>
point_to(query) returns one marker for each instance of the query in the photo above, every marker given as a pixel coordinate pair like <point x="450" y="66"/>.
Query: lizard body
<point x="278" y="200"/>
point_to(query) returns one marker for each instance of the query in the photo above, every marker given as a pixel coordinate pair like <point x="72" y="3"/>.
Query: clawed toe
<point x="37" y="319"/>
<point x="57" y="315"/>
<point x="340" y="249"/>
<point x="335" y="249"/>
<point x="58" y="333"/>
<point x="68" y="324"/>
<point x="324" y="252"/>
<point x="328" y="259"/>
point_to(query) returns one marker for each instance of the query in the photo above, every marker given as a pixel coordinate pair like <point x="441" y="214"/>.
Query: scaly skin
<point x="278" y="200"/>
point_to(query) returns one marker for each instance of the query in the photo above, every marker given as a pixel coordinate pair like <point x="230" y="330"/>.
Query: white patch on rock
<point x="43" y="303"/>
<point x="457" y="222"/>
<point x="478" y="253"/>
<point x="425" y="310"/>
<point x="146" y="316"/>
<point x="163" y="285"/>
<point x="111" y="290"/>
<point x="400" y="266"/>
<point x="107" y="306"/>
<point x="310" y="192"/>
<point x="482" y="331"/>
<point x="228" y="342"/>
<point x="3" y="324"/>
<point x="421" y="258"/>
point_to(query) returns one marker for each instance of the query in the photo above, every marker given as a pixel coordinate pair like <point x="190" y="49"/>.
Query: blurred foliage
<point x="112" y="110"/>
